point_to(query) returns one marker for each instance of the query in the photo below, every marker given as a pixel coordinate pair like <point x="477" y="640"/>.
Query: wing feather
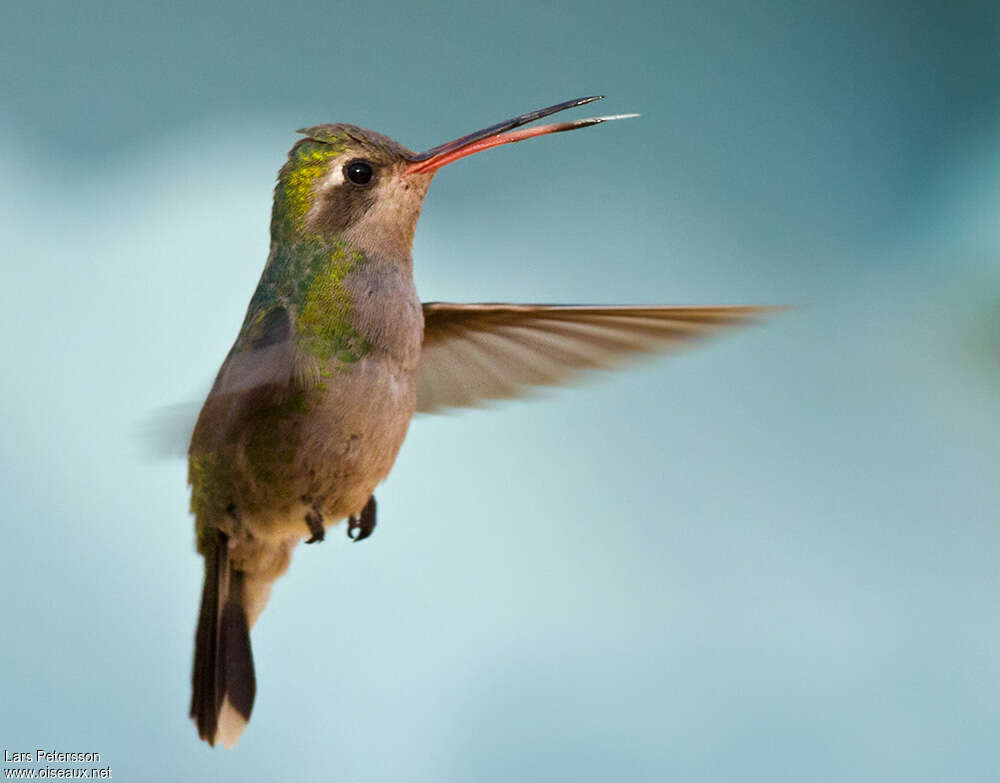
<point x="478" y="352"/>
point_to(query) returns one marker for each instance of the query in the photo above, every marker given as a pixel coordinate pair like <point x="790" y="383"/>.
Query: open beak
<point x="430" y="161"/>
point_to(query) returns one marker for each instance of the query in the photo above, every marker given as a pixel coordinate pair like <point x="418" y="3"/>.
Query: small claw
<point x="365" y="525"/>
<point x="314" y="520"/>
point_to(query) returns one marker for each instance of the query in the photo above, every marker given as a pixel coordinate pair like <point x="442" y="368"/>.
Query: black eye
<point x="358" y="172"/>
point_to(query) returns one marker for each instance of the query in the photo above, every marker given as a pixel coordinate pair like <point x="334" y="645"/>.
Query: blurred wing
<point x="476" y="352"/>
<point x="260" y="371"/>
<point x="165" y="433"/>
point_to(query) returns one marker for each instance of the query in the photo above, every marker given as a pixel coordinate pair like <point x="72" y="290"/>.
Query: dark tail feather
<point x="205" y="696"/>
<point x="223" y="682"/>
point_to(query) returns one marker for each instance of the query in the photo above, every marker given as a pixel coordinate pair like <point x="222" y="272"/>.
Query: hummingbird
<point x="335" y="356"/>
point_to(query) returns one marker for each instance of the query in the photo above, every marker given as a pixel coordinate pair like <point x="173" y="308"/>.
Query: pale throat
<point x="385" y="231"/>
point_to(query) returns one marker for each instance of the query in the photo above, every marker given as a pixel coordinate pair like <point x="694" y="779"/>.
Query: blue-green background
<point x="772" y="559"/>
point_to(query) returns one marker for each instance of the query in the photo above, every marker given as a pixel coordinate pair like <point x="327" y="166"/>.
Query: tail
<point x="223" y="678"/>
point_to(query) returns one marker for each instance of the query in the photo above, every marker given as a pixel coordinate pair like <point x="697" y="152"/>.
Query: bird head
<point x="351" y="183"/>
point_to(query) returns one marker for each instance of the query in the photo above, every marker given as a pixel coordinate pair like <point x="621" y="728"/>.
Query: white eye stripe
<point x="335" y="177"/>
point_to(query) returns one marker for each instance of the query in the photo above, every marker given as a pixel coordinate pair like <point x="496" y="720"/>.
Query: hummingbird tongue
<point x="430" y="161"/>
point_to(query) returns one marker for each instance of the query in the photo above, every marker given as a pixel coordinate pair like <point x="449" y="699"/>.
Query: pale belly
<point x="327" y="452"/>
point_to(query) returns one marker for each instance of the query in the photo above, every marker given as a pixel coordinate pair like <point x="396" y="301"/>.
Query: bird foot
<point x="314" y="520"/>
<point x="365" y="525"/>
